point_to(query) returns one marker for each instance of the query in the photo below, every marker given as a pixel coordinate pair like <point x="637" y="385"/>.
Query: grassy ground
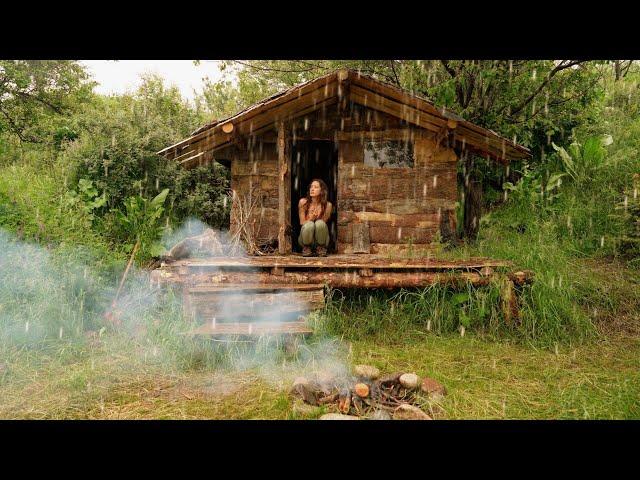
<point x="161" y="376"/>
<point x="484" y="379"/>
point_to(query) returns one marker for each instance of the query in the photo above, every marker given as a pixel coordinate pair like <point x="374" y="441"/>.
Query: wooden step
<point x="257" y="302"/>
<point x="252" y="329"/>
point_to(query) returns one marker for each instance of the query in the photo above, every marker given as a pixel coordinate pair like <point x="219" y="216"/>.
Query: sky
<point x="124" y="75"/>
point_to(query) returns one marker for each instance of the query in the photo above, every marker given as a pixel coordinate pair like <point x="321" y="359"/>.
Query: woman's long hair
<point x="324" y="193"/>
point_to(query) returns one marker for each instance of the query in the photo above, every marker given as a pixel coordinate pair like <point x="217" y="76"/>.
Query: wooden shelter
<point x="389" y="158"/>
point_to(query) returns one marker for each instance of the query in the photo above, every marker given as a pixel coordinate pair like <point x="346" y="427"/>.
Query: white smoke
<point x="46" y="296"/>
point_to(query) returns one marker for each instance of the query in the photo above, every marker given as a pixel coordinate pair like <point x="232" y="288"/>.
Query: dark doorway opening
<point x="313" y="159"/>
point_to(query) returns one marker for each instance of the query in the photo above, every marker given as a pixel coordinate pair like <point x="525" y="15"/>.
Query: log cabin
<point x="390" y="160"/>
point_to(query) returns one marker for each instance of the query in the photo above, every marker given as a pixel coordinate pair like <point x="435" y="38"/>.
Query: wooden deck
<point x="339" y="261"/>
<point x="239" y="296"/>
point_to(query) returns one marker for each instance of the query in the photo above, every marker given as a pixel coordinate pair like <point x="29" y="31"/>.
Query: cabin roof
<point x="326" y="90"/>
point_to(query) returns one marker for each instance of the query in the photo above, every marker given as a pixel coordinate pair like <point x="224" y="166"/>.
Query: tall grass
<point x="566" y="231"/>
<point x="411" y="313"/>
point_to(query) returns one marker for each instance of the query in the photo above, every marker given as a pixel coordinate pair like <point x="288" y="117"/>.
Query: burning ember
<point x="367" y="394"/>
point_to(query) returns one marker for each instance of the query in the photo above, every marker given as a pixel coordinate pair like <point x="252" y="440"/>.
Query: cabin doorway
<point x="309" y="160"/>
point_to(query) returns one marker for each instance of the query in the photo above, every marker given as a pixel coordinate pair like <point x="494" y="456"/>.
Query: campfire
<point x="368" y="394"/>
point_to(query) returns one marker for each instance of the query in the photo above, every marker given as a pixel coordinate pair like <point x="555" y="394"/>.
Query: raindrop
<point x="399" y="232"/>
<point x="26" y="327"/>
<point x="157" y="183"/>
<point x="224" y="201"/>
<point x="534" y="74"/>
<point x="635" y="193"/>
<point x="626" y="202"/>
<point x="424" y="190"/>
<point x="429" y="325"/>
<point x="435" y="181"/>
<point x="60" y="333"/>
<point x="602" y="241"/>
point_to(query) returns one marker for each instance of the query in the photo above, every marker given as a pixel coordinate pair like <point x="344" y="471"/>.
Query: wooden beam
<point x="247" y="114"/>
<point x="212" y="145"/>
<point x="284" y="192"/>
<point x="267" y="118"/>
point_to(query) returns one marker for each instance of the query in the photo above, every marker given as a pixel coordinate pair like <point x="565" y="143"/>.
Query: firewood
<point x="344" y="404"/>
<point x="362" y="390"/>
<point x="357" y="405"/>
<point x="328" y="398"/>
<point x="392" y="379"/>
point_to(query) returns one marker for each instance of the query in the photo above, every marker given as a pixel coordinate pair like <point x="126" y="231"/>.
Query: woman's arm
<point x="327" y="213"/>
<point x="301" y="205"/>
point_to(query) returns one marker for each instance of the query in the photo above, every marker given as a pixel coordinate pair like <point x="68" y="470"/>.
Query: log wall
<point x="403" y="207"/>
<point x="254" y="171"/>
<point x="400" y="205"/>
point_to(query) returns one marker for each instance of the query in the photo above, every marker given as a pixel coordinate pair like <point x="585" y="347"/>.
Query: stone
<point x="337" y="416"/>
<point x="305" y="390"/>
<point x="409" y="412"/>
<point x="366" y="371"/>
<point x="380" y="415"/>
<point x="208" y="244"/>
<point x="435" y="390"/>
<point x="362" y="390"/>
<point x="409" y="381"/>
<point x="300" y="381"/>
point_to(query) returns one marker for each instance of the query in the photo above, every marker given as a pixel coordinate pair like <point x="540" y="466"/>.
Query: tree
<point x="117" y="148"/>
<point x="35" y="93"/>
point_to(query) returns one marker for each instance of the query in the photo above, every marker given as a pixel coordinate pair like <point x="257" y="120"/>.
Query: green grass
<point x="484" y="379"/>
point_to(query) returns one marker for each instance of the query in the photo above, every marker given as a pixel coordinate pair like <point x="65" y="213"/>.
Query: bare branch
<point x="561" y="66"/>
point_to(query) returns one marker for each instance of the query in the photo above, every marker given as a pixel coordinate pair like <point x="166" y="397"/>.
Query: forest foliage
<point x="80" y="170"/>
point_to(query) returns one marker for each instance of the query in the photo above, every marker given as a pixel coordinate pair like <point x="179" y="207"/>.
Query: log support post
<point x="284" y="192"/>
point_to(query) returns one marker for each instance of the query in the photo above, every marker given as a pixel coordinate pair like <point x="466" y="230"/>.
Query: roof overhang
<point x="328" y="90"/>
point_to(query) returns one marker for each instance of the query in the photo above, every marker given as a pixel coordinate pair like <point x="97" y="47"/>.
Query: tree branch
<point x="561" y="66"/>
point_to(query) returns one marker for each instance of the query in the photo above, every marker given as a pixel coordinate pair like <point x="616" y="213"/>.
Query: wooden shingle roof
<point x="327" y="90"/>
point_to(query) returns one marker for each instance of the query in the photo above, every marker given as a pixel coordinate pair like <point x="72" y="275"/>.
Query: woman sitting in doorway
<point x="315" y="211"/>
